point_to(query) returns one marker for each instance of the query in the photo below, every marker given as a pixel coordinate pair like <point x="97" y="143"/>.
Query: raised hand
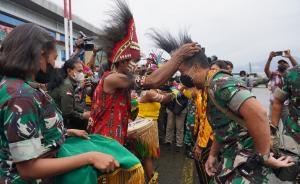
<point x="186" y="50"/>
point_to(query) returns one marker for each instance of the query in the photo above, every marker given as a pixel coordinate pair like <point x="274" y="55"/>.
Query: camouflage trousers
<point x="235" y="169"/>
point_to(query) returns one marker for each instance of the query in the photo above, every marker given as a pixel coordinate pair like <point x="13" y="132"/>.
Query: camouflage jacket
<point x="291" y="92"/>
<point x="31" y="126"/>
<point x="231" y="92"/>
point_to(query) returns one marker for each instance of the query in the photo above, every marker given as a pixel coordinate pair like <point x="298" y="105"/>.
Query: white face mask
<point x="79" y="77"/>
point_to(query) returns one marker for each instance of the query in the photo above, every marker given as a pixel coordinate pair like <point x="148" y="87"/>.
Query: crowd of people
<point x="83" y="123"/>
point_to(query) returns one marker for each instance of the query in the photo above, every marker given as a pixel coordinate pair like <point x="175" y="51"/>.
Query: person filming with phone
<point x="276" y="77"/>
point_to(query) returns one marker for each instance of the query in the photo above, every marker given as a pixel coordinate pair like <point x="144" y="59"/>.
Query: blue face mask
<point x="187" y="81"/>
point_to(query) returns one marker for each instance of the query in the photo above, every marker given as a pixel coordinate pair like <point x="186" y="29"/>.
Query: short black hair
<point x="282" y="61"/>
<point x="229" y="63"/>
<point x="243" y="72"/>
<point x="199" y="59"/>
<point x="167" y="42"/>
<point x="221" y="64"/>
<point x="22" y="48"/>
<point x="59" y="75"/>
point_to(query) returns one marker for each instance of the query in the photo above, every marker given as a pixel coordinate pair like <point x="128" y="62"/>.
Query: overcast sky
<point x="242" y="31"/>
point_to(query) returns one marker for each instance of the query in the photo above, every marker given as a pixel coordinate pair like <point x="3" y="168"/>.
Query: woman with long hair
<point x="31" y="125"/>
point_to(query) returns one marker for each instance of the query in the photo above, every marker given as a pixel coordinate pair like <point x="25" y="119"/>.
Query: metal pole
<point x="66" y="30"/>
<point x="71" y="27"/>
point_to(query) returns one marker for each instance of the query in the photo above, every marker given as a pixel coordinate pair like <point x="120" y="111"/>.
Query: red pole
<point x="65" y="9"/>
<point x="70" y="10"/>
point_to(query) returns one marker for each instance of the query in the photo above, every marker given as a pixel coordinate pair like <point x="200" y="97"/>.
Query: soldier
<point x="32" y="127"/>
<point x="241" y="149"/>
<point x="290" y="91"/>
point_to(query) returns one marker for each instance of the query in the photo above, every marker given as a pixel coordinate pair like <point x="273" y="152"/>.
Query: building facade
<point x="44" y="13"/>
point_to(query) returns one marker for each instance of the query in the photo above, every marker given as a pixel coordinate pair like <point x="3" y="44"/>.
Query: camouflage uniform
<point x="190" y="121"/>
<point x="31" y="126"/>
<point x="231" y="92"/>
<point x="291" y="92"/>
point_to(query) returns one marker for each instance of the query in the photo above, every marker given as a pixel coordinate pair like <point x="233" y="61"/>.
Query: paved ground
<point x="175" y="168"/>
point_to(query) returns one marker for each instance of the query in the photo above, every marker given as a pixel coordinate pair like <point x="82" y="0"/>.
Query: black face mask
<point x="44" y="78"/>
<point x="282" y="68"/>
<point x="187" y="81"/>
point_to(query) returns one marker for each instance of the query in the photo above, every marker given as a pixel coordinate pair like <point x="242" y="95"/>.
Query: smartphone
<point x="279" y="53"/>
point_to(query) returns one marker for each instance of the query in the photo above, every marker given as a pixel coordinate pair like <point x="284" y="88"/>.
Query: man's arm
<point x="267" y="66"/>
<point x="117" y="81"/>
<point x="92" y="60"/>
<point x="162" y="75"/>
<point x="290" y="57"/>
<point x="280" y="95"/>
<point x="276" y="111"/>
<point x="215" y="148"/>
<point x="158" y="77"/>
<point x="153" y="96"/>
<point x="256" y="120"/>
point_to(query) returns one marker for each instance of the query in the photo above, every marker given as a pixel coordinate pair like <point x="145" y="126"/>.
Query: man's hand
<point x="187" y="50"/>
<point x="78" y="133"/>
<point x="95" y="50"/>
<point x="197" y="152"/>
<point x="211" y="165"/>
<point x="86" y="115"/>
<point x="103" y="162"/>
<point x="272" y="54"/>
<point x="287" y="53"/>
<point x="284" y="161"/>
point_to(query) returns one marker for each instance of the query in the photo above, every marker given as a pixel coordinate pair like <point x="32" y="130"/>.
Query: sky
<point x="241" y="31"/>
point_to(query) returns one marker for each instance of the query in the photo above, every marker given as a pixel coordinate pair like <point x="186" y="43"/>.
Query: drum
<point x="146" y="142"/>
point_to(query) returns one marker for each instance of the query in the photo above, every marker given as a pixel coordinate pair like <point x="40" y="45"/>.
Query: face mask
<point x="43" y="77"/>
<point x="79" y="77"/>
<point x="187" y="81"/>
<point x="282" y="68"/>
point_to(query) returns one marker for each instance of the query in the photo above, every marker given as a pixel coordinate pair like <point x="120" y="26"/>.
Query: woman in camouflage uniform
<point x="31" y="125"/>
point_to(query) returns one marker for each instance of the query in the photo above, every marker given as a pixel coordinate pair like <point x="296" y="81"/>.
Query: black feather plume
<point x="116" y="28"/>
<point x="185" y="37"/>
<point x="164" y="40"/>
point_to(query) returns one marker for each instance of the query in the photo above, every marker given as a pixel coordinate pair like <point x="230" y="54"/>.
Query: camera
<point x="279" y="53"/>
<point x="87" y="45"/>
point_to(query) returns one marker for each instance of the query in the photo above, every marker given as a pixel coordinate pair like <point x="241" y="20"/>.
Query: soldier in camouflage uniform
<point x="31" y="125"/>
<point x="291" y="92"/>
<point x="235" y="145"/>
